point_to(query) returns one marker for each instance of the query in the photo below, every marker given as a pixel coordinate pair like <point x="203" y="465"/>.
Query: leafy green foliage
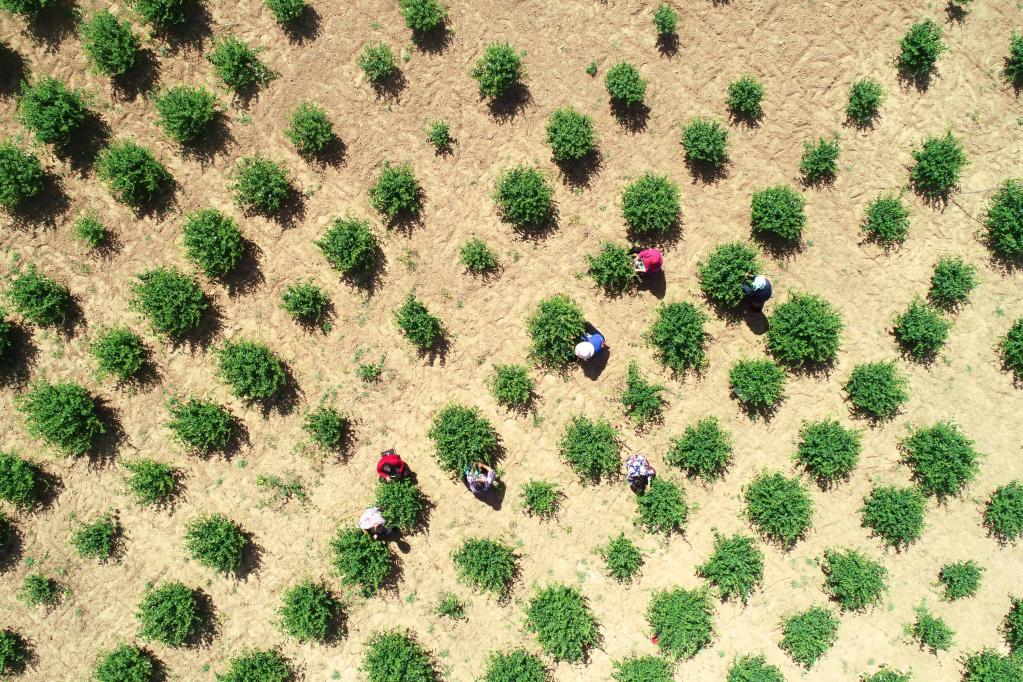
<point x="820" y="161"/>
<point x="591" y="448"/>
<point x="887" y="220"/>
<point x="650" y="205"/>
<point x="64" y="415"/>
<point x="477" y="257"/>
<point x="877" y="389"/>
<point x="251" y="369"/>
<point x="488" y="565"/>
<point x="554" y="327"/>
<point x="886" y="674"/>
<point x="308" y="611"/>
<point x="237" y="64"/>
<point x="201" y="425"/>
<point x="524" y="197"/>
<point x="21" y="175"/>
<point x="1013" y="69"/>
<point x="705" y="142"/>
<point x="921" y="330"/>
<point x="112" y="47"/>
<point x="942" y="458"/>
<point x="165" y="15"/>
<point x="758" y="384"/>
<point x="40" y="299"/>
<point x="498" y="70"/>
<point x="310" y="130"/>
<point x="622" y="558"/>
<point x="624" y="85"/>
<point x="808" y="635"/>
<point x="451" y="606"/>
<point x="1012" y="626"/>
<point x="665" y="20"/>
<point x="171" y="301"/>
<point x="186" y="113"/>
<point x="804" y="329"/>
<point x="30" y="9"/>
<point x="98" y="539"/>
<point x="591" y="69"/>
<point x="920" y="49"/>
<point x="1003" y="514"/>
<point x="570" y="134"/>
<point x="13" y="652"/>
<point x="779" y="212"/>
<point x="90" y="230"/>
<point x="939" y="163"/>
<point x="39" y="590"/>
<point x="642" y="669"/>
<point x="642" y="400"/>
<point x="682" y="621"/>
<point x="612" y="269"/>
<point x="396" y="656"/>
<point x="377" y="61"/>
<point x="305" y="301"/>
<point x="361" y="561"/>
<point x="260" y="185"/>
<point x="51" y="110"/>
<point x="21" y="481"/>
<point x="213" y="242"/>
<point x="6" y="337"/>
<point x="960" y="579"/>
<point x="828" y="450"/>
<point x="779" y="507"/>
<point x="516" y="665"/>
<point x="951" y="283"/>
<point x="151" y="482"/>
<point x="931" y="631"/>
<point x="896" y="515"/>
<point x="125" y="663"/>
<point x="854" y="580"/>
<point x="989" y="665"/>
<point x="439" y="135"/>
<point x="744" y="96"/>
<point x="396" y="192"/>
<point x="216" y="542"/>
<point x="753" y="669"/>
<point x="286" y="11"/>
<point x="662" y="508"/>
<point x="865" y="98"/>
<point x="728" y="267"/>
<point x="258" y="665"/>
<point x="736" y="567"/>
<point x="512" y="386"/>
<point x="1004" y="219"/>
<point x="461" y="436"/>
<point x="422" y="16"/>
<point x="350" y="247"/>
<point x="401" y="503"/>
<point x="704" y="449"/>
<point x="169" y="614"/>
<point x="541" y="498"/>
<point x="423" y="329"/>
<point x="132" y="173"/>
<point x="563" y="623"/>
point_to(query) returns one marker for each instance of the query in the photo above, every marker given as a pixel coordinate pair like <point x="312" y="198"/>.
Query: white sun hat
<point x="584" y="350"/>
<point x="759" y="282"/>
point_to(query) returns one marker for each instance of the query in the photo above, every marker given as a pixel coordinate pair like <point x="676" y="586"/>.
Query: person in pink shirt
<point x="646" y="261"/>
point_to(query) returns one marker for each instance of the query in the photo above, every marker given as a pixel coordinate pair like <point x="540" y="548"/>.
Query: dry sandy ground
<point x="806" y="53"/>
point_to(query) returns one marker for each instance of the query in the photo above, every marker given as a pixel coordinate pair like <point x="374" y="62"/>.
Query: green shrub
<point x="96" y="540"/>
<point x="753" y="669"/>
<point x="422" y="16"/>
<point x="563" y="623"/>
<point x="622" y="558"/>
<point x="920" y="49"/>
<point x="942" y="458"/>
<point x="642" y="669"/>
<point x="251" y="369"/>
<point x="1004" y="220"/>
<point x="361" y="561"/>
<point x="165" y="15"/>
<point x="125" y="663"/>
<point x="555" y="327"/>
<point x="642" y="400"/>
<point x="171" y="301"/>
<point x="808" y="635"/>
<point x="213" y="242"/>
<point x="736" y="567"/>
<point x="865" y="98"/>
<point x="779" y="507"/>
<point x="886" y="674"/>
<point x="420" y="327"/>
<point x="477" y="257"/>
<point x="1003" y="514"/>
<point x="804" y="329"/>
<point x="7" y="531"/>
<point x="200" y="425"/>
<point x="541" y="498"/>
<point x="662" y="508"/>
<point x="1012" y="626"/>
<point x="52" y="111"/>
<point x="260" y="185"/>
<point x="570" y="134"/>
<point x="112" y="47"/>
<point x="286" y="11"/>
<point x="169" y="614"/>
<point x="350" y="247"/>
<point x="370" y="371"/>
<point x="63" y="415"/>
<point x="516" y="665"/>
<point x="854" y="580"/>
<point x="461" y="436"/>
<point x="327" y="427"/>
<point x="820" y="161"/>
<point x="396" y="192"/>
<point x="21" y="481"/>
<point x="402" y="504"/>
<point x="305" y="301"/>
<point x="939" y="163"/>
<point x="886" y="220"/>
<point x="682" y="621"/>
<point x="512" y="386"/>
<point x="21" y="175"/>
<point x="960" y="579"/>
<point x="650" y="206"/>
<point x="439" y="135"/>
<point x="488" y="565"/>
<point x="728" y="267"/>
<point x="40" y="299"/>
<point x="591" y="69"/>
<point x="624" y="85"/>
<point x="216" y="542"/>
<point x="990" y="666"/>
<point x="921" y="330"/>
<point x="779" y="212"/>
<point x="238" y="65"/>
<point x="524" y="197"/>
<point x="7" y="338"/>
<point x="877" y="389"/>
<point x="308" y="611"/>
<point x="394" y="656"/>
<point x="744" y="96"/>
<point x="931" y="631"/>
<point x="1013" y="69"/>
<point x="310" y="131"/>
<point x="896" y="515"/>
<point x="704" y="450"/>
<point x="90" y="230"/>
<point x="377" y="61"/>
<point x="451" y="606"/>
<point x="151" y="482"/>
<point x="758" y="384"/>
<point x="951" y="283"/>
<point x="132" y="173"/>
<point x="14" y="655"/>
<point x="498" y="70"/>
<point x="828" y="450"/>
<point x="665" y="20"/>
<point x="591" y="448"/>
<point x="258" y="665"/>
<point x="30" y="10"/>
<point x="705" y="142"/>
<point x="186" y="113"/>
<point x="38" y="590"/>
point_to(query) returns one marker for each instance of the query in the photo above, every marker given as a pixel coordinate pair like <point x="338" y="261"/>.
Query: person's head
<point x="584" y="350"/>
<point x="759" y="282"/>
<point x="638" y="265"/>
<point x="389" y="469"/>
<point x="638" y="485"/>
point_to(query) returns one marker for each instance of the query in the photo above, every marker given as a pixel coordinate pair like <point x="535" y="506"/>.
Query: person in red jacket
<point x="646" y="261"/>
<point x="391" y="467"/>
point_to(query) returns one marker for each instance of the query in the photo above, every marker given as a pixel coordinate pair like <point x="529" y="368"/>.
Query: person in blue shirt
<point x="590" y="345"/>
<point x="757" y="292"/>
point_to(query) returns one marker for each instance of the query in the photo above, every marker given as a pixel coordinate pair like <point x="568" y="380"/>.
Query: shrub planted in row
<point x="570" y="135"/>
<point x="21" y="175"/>
<point x="662" y="508"/>
<point x="951" y="283"/>
<point x="21" y="481"/>
<point x="305" y="302"/>
<point x="350" y="247"/>
<point x="651" y="207"/>
<point x="1004" y="219"/>
<point x="120" y="353"/>
<point x="258" y="665"/>
<point x="170" y="300"/>
<point x="642" y="669"/>
<point x="498" y="70"/>
<point x="591" y="448"/>
<point x="462" y="436"/>
<point x="887" y="220"/>
<point x="132" y="173"/>
<point x="251" y="370"/>
<point x="679" y="337"/>
<point x="361" y="561"/>
<point x="260" y="185"/>
<point x="488" y="565"/>
<point x="524" y="197"/>
<point x="186" y="113"/>
<point x="1003" y="514"/>
<point x="920" y="49"/>
<point x="725" y="271"/>
<point x="170" y="614"/>
<point x="779" y="507"/>
<point x="516" y="665"/>
<point x="98" y="539"/>
<point x="308" y="612"/>
<point x="111" y="45"/>
<point x="397" y="192"/>
<point x="705" y="143"/>
<point x="309" y="129"/>
<point x="63" y="415"/>
<point x="622" y="559"/>
<point x="541" y="498"/>
<point x="854" y="580"/>
<point x="896" y="515"/>
<point x="151" y="482"/>
<point x="753" y="669"/>
<point x="563" y="623"/>
<point x="394" y="655"/>
<point x="735" y="568"/>
<point x="865" y="98"/>
<point x="921" y="330"/>
<point x="939" y="163"/>
<point x="612" y="269"/>
<point x="125" y="663"/>
<point x="216" y="542"/>
<point x="625" y="86"/>
<point x="477" y="257"/>
<point x="877" y="389"/>
<point x="512" y="386"/>
<point x="943" y="459"/>
<point x="960" y="579"/>
<point x="804" y="330"/>
<point x="744" y="98"/>
<point x="213" y="242"/>
<point x="401" y="503"/>
<point x="165" y="15"/>
<point x="555" y="327"/>
<point x="378" y="62"/>
<point x="682" y="620"/>
<point x="40" y="299"/>
<point x="778" y="212"/>
<point x="422" y="16"/>
<point x="51" y="110"/>
<point x="758" y="384"/>
<point x="642" y="400"/>
<point x="423" y="329"/>
<point x="237" y="64"/>
<point x="931" y="632"/>
<point x="809" y="635"/>
<point x="200" y="425"/>
<point x="827" y="450"/>
<point x="820" y="161"/>
<point x="327" y="427"/>
<point x="704" y="450"/>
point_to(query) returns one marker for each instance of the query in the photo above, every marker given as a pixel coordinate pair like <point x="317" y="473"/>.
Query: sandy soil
<point x="806" y="53"/>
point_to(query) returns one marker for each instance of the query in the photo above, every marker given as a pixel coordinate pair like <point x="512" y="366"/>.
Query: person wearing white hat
<point x="590" y="344"/>
<point x="372" y="521"/>
<point x="757" y="292"/>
